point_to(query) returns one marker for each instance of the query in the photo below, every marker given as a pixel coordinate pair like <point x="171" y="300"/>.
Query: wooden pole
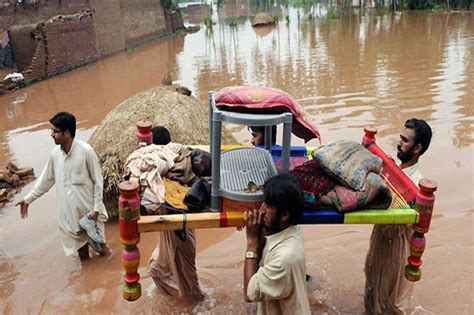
<point x="424" y="206"/>
<point x="171" y="222"/>
<point x="129" y="214"/>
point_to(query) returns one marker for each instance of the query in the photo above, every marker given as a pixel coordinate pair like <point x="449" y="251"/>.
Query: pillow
<point x="262" y="100"/>
<point x="347" y="162"/>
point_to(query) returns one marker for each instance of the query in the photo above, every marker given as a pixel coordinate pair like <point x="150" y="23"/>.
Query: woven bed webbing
<point x="397" y="200"/>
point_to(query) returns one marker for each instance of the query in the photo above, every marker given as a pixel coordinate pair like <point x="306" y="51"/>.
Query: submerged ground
<point x="347" y="73"/>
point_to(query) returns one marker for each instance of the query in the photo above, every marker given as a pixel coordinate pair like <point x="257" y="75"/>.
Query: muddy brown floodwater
<point x="373" y="69"/>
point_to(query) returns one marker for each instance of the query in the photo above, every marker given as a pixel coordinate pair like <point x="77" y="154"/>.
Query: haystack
<point x="262" y="19"/>
<point x="115" y="138"/>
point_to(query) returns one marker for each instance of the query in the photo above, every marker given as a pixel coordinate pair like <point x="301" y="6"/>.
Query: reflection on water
<point x="369" y="69"/>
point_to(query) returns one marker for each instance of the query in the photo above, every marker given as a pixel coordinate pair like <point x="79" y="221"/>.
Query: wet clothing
<point x="78" y="190"/>
<point x="387" y="291"/>
<point x="172" y="265"/>
<point x="279" y="284"/>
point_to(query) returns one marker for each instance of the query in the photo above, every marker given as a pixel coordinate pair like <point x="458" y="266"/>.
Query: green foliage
<point x="435" y="5"/>
<point x="333" y="14"/>
<point x="287" y="18"/>
<point x="438" y="8"/>
<point x="232" y="21"/>
<point x="208" y="22"/>
<point x="168" y="3"/>
<point x="276" y="18"/>
<point x="301" y="3"/>
<point x="184" y="14"/>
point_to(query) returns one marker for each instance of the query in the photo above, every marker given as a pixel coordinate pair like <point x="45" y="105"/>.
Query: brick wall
<point x="37" y="69"/>
<point x="110" y="34"/>
<point x="45" y="10"/>
<point x="69" y="44"/>
<point x="142" y="20"/>
<point x="64" y="41"/>
<point x="63" y="44"/>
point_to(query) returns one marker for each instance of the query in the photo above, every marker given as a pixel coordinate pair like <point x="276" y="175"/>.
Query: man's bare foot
<point x="84" y="252"/>
<point x="105" y="250"/>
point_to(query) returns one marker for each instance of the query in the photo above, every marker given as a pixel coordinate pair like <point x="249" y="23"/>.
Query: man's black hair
<point x="262" y="131"/>
<point x="64" y="121"/>
<point x="422" y="132"/>
<point x="284" y="192"/>
<point x="161" y="135"/>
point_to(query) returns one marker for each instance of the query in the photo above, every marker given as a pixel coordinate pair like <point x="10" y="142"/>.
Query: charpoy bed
<point x="410" y="205"/>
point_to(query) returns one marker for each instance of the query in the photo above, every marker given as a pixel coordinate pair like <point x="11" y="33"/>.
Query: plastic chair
<point x="234" y="169"/>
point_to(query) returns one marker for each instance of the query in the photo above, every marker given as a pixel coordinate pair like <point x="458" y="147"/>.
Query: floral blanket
<point x="322" y="191"/>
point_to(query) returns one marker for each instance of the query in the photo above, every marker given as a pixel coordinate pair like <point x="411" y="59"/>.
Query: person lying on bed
<point x="386" y="289"/>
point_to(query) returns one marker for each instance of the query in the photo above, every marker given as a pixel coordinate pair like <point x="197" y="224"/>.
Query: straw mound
<point x="115" y="137"/>
<point x="262" y="19"/>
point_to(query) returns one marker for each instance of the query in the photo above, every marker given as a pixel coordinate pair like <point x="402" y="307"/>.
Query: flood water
<point x="358" y="70"/>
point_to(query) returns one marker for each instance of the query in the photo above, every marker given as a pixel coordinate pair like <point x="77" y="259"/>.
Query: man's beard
<point x="274" y="225"/>
<point x="404" y="156"/>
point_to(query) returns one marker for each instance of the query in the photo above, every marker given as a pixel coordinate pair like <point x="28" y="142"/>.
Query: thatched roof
<point x="262" y="19"/>
<point x="115" y="138"/>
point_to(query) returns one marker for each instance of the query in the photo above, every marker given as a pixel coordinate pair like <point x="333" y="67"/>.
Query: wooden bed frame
<point x="410" y="205"/>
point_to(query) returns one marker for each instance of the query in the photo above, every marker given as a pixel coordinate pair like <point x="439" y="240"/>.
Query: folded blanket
<point x="262" y="100"/>
<point x="314" y="181"/>
<point x="347" y="162"/>
<point x="376" y="195"/>
<point x="321" y="190"/>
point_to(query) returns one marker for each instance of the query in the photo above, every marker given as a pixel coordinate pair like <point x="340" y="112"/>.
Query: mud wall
<point x="117" y="23"/>
<point x="124" y="23"/>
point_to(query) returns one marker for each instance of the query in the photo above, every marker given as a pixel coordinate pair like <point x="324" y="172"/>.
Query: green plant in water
<point x="232" y="21"/>
<point x="333" y="14"/>
<point x="287" y="18"/>
<point x="438" y="8"/>
<point x="208" y="22"/>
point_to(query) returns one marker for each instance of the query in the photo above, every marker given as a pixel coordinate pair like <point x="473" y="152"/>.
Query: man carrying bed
<point x="274" y="267"/>
<point x="386" y="289"/>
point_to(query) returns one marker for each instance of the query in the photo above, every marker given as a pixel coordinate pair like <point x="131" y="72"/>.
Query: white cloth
<point x="149" y="164"/>
<point x="279" y="285"/>
<point x="78" y="190"/>
<point x="414" y="173"/>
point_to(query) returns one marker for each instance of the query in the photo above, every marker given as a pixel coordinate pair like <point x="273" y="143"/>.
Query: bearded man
<point x="274" y="268"/>
<point x="386" y="289"/>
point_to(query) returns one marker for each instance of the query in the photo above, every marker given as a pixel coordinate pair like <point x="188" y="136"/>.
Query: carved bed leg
<point x="424" y="206"/>
<point x="144" y="135"/>
<point x="129" y="214"/>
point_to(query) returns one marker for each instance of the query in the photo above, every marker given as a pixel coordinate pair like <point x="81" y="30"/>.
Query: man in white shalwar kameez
<point x="386" y="289"/>
<point x="74" y="167"/>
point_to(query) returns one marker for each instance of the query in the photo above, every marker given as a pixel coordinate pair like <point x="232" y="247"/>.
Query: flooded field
<point x="356" y="70"/>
